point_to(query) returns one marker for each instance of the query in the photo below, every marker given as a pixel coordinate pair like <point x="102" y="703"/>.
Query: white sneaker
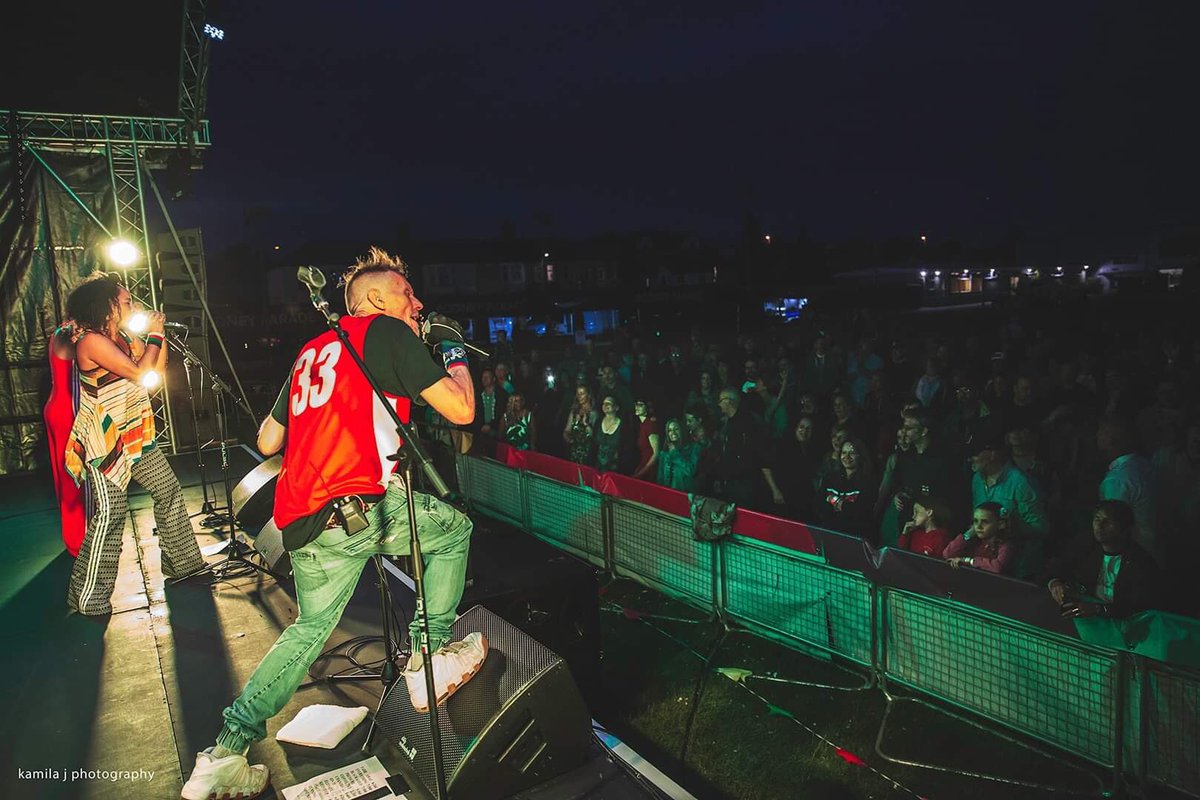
<point x="453" y="665"/>
<point x="229" y="778"/>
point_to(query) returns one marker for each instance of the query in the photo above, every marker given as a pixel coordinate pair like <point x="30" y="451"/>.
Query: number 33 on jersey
<point x="314" y="387"/>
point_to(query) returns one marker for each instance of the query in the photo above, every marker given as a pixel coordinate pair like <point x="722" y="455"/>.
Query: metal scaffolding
<point x="131" y="145"/>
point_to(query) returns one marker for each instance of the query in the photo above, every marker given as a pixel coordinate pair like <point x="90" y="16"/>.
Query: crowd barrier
<point x="1028" y="672"/>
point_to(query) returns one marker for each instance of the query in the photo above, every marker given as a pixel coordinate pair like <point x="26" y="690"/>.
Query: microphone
<point x="179" y="326"/>
<point x="427" y="326"/>
<point x="314" y="279"/>
<point x="311" y="277"/>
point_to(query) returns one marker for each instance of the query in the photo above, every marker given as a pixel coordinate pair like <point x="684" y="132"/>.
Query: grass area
<point x="771" y="736"/>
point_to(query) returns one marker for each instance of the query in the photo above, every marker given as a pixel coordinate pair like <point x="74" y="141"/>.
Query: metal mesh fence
<point x="659" y="549"/>
<point x="798" y="597"/>
<point x="1171" y="704"/>
<point x="1047" y="686"/>
<point x="496" y="490"/>
<point x="567" y="515"/>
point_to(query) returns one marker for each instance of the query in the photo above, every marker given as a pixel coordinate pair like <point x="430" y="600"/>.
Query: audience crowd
<point x="1057" y="447"/>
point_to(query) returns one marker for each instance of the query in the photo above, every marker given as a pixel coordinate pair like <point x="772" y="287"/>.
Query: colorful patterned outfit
<point x="112" y="441"/>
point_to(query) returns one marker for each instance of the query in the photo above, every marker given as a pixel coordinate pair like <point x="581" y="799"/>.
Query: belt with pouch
<point x="350" y="512"/>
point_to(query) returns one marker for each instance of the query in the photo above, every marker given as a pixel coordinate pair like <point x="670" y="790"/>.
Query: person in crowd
<point x="822" y="371"/>
<point x="1130" y="477"/>
<point x="928" y="532"/>
<point x="796" y="470"/>
<point x="613" y="440"/>
<point x="997" y="393"/>
<point x="1026" y="410"/>
<point x="333" y="455"/>
<point x="861" y="364"/>
<point x="1158" y="422"/>
<point x="518" y="424"/>
<point x="649" y="441"/>
<point x="611" y="386"/>
<point x="1105" y="573"/>
<point x="969" y="419"/>
<point x="923" y="468"/>
<point x="679" y="459"/>
<point x="1023" y="449"/>
<point x="675" y="378"/>
<point x="502" y="350"/>
<point x="112" y="442"/>
<point x="700" y="428"/>
<point x="846" y="497"/>
<point x="901" y="372"/>
<point x="490" y="400"/>
<point x="1119" y="397"/>
<point x="880" y="408"/>
<point x="844" y="415"/>
<point x="644" y="380"/>
<point x="986" y="544"/>
<point x="59" y="416"/>
<point x="930" y="390"/>
<point x="788" y="388"/>
<point x="832" y="460"/>
<point x="705" y="393"/>
<point x="550" y="411"/>
<point x="740" y="464"/>
<point x="807" y="405"/>
<point x="754" y="390"/>
<point x="580" y="430"/>
<point x="1026" y="520"/>
<point x="775" y="412"/>
<point x="504" y="378"/>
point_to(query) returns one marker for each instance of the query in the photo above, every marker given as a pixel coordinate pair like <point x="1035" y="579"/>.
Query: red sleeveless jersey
<point x="339" y="435"/>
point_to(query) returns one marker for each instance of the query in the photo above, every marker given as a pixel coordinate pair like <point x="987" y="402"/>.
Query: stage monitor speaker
<point x="519" y="722"/>
<point x="269" y="544"/>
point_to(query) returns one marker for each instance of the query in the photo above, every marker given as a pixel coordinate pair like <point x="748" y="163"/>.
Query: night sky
<point x="833" y="119"/>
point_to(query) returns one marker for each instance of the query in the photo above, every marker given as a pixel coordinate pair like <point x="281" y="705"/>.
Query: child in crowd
<point x="985" y="545"/>
<point x="928" y="531"/>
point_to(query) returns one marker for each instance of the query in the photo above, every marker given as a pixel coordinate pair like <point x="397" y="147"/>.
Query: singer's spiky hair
<point x="375" y="261"/>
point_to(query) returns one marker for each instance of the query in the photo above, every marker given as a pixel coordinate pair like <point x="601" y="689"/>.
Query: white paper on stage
<point x="345" y="783"/>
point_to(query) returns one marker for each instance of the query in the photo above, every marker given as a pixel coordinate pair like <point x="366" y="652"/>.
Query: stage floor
<point x="141" y="694"/>
<point x="118" y="707"/>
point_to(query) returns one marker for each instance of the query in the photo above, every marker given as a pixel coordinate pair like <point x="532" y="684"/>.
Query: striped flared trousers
<point x="95" y="573"/>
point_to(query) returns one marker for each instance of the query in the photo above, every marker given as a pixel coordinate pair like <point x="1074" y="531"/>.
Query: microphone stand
<point x="409" y="454"/>
<point x="237" y="552"/>
<point x="212" y="519"/>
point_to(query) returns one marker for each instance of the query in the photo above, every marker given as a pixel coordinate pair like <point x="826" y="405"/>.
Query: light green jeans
<point x="326" y="571"/>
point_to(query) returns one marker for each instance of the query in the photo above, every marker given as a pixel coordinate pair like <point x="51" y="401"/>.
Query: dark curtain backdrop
<point x="47" y="245"/>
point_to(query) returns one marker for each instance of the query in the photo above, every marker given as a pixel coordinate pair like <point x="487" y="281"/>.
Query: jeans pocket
<point x="307" y="569"/>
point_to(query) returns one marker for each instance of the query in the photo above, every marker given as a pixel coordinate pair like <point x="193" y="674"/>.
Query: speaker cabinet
<point x="519" y="722"/>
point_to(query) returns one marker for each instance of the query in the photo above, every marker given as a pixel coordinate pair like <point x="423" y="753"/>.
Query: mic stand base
<point x="237" y="561"/>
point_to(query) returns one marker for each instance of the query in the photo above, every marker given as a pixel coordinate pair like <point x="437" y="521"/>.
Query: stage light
<point x="122" y="253"/>
<point x="151" y="379"/>
<point x="138" y="322"/>
<point x="213" y="32"/>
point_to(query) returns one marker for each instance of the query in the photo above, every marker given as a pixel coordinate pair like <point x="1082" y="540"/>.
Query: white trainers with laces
<point x="229" y="778"/>
<point x="453" y="665"/>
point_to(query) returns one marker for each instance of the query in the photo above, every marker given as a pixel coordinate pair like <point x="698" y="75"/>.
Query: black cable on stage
<point x="698" y="691"/>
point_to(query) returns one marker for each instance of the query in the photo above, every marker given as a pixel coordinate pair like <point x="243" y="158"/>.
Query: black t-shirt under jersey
<point x="401" y="365"/>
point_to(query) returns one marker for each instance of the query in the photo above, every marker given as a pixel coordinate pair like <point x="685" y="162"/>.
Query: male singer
<point x="338" y="439"/>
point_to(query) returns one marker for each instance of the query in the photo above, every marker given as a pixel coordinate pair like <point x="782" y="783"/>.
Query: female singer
<point x="112" y="440"/>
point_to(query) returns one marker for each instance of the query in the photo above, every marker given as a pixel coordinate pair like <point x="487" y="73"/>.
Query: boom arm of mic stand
<point x="177" y="343"/>
<point x="411" y="445"/>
